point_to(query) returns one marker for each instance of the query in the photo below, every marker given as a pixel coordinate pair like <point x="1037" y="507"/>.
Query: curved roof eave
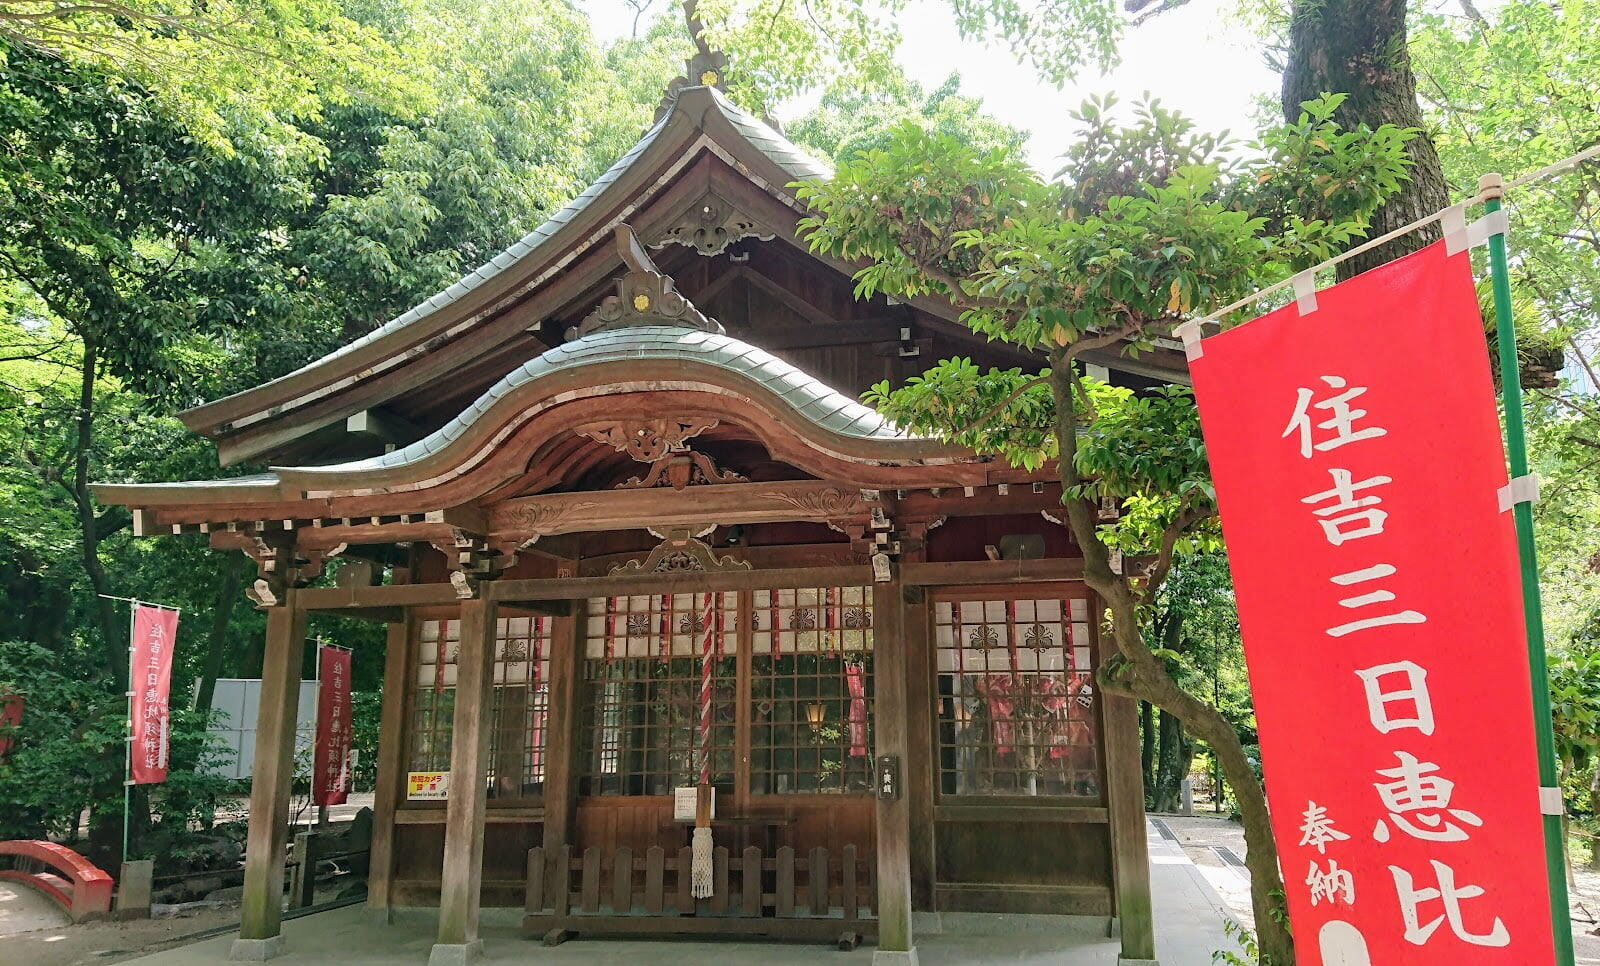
<point x="692" y="103"/>
<point x="838" y="425"/>
<point x="829" y="413"/>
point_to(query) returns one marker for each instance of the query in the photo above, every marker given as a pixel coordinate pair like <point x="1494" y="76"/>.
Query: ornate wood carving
<point x="647" y="440"/>
<point x="707" y="68"/>
<point x="710" y="226"/>
<point x="840" y="509"/>
<point x="679" y="470"/>
<point x="644" y="296"/>
<point x="680" y="553"/>
<point x="538" y="518"/>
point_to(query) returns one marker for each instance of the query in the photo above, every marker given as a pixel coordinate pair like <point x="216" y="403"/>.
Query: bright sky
<point x="1194" y="59"/>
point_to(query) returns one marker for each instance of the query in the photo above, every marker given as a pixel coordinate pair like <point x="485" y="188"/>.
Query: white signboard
<point x="232" y="735"/>
<point x="686" y="800"/>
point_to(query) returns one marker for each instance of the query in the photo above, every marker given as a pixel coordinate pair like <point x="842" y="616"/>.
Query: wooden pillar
<point x="923" y="731"/>
<point x="462" y="880"/>
<point x="392" y="733"/>
<point x="561" y="739"/>
<point x="892" y="739"/>
<point x="1130" y="849"/>
<point x="261" y="908"/>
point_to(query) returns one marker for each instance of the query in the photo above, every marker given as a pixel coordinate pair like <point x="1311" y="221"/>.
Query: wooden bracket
<point x="280" y="563"/>
<point x="472" y="559"/>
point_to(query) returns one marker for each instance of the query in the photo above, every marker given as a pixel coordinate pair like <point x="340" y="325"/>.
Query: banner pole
<point x="1522" y="513"/>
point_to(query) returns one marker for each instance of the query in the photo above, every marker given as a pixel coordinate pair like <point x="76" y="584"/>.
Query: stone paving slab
<point x="1189" y="916"/>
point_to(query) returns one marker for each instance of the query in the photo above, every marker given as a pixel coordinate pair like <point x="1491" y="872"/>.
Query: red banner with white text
<point x="1357" y="457"/>
<point x="331" y="764"/>
<point x="10" y="720"/>
<point x="155" y="630"/>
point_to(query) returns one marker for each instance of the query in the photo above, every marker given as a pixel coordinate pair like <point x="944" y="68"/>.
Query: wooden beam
<point x="473" y="519"/>
<point x="891" y="738"/>
<point x="690" y="582"/>
<point x="814" y="501"/>
<point x="380" y="596"/>
<point x="383" y="426"/>
<point x="462" y="878"/>
<point x="261" y="908"/>
<point x="391" y="749"/>
<point x="993" y="571"/>
<point x="1065" y="814"/>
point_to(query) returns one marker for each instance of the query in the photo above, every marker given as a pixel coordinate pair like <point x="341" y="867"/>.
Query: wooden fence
<point x="810" y="896"/>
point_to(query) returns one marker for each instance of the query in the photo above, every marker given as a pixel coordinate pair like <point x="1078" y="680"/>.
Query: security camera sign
<point x="424" y="786"/>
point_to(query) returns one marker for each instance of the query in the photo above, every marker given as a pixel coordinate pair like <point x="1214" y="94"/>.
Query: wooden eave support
<point x="382" y="426"/>
<point x="539" y="593"/>
<point x="551" y="514"/>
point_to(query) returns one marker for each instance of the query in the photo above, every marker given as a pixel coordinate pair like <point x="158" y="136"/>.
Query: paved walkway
<point x="23" y="910"/>
<point x="1188" y="915"/>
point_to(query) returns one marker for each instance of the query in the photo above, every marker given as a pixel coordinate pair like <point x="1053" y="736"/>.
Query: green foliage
<point x="198" y="256"/>
<point x="50" y="773"/>
<point x="1575" y="704"/>
<point x="1510" y="94"/>
<point x="1142" y="451"/>
<point x="1249" y="953"/>
<point x="1151" y="221"/>
<point x="853" y="119"/>
<point x="783" y="49"/>
<point x="215" y="61"/>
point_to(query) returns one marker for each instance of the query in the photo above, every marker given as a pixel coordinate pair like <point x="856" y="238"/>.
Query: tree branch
<point x="1188" y="515"/>
<point x="1003" y="404"/>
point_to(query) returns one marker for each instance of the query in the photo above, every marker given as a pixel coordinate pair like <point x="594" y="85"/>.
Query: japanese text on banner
<point x="1356" y="454"/>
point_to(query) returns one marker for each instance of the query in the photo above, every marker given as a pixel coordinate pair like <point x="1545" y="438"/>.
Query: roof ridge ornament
<point x="706" y="68"/>
<point x="644" y="297"/>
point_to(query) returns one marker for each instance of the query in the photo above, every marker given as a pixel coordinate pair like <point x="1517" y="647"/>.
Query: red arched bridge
<point x="76" y="884"/>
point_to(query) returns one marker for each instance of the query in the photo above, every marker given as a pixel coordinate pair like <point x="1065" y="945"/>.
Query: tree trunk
<point x="1358" y="47"/>
<point x="105" y="816"/>
<point x="1136" y="672"/>
<point x="113" y="639"/>
<point x="1173" y="761"/>
<point x="235" y="569"/>
<point x="1147" y="744"/>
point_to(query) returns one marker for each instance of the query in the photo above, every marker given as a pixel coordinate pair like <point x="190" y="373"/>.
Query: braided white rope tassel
<point x="700" y="867"/>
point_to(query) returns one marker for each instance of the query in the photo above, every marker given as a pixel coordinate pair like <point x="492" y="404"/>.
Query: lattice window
<point x="520" y="702"/>
<point x="1017" y="707"/>
<point x="646" y="730"/>
<point x="811" y="691"/>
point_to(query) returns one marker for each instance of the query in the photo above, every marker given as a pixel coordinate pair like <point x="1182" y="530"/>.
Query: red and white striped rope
<point x="707" y="663"/>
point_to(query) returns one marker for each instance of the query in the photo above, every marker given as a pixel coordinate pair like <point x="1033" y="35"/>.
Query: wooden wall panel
<point x="635" y="823"/>
<point x="418" y="852"/>
<point x="1024" y="853"/>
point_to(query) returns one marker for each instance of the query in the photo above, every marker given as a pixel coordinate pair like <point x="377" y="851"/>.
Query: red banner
<point x="330" y="777"/>
<point x="10" y="721"/>
<point x="155" y="630"/>
<point x="1357" y="457"/>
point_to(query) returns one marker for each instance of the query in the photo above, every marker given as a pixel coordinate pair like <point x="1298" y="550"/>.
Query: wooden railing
<point x="815" y="895"/>
<point x="76" y="884"/>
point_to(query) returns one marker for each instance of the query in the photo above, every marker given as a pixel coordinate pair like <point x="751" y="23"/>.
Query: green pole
<point x="1533" y="613"/>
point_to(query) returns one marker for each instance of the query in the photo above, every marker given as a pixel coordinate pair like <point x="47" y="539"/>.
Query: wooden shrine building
<point x="631" y="535"/>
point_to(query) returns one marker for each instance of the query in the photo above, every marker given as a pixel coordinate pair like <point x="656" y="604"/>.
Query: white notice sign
<point x="686" y="800"/>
